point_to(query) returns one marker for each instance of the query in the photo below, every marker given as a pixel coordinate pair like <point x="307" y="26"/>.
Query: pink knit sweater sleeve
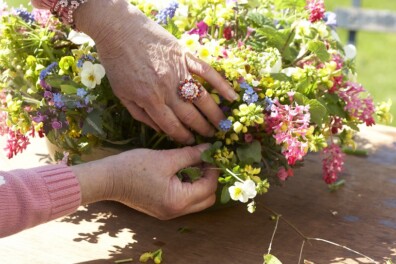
<point x="35" y="196"/>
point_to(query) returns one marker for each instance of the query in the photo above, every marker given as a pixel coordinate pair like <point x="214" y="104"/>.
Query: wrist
<point x="94" y="182"/>
<point x="107" y="21"/>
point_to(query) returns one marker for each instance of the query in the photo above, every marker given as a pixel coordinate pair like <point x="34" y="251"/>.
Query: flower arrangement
<point x="297" y="85"/>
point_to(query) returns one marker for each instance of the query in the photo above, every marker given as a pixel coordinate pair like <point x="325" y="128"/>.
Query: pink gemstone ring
<point x="189" y="90"/>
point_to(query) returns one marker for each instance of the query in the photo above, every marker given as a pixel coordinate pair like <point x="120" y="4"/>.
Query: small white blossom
<point x="2" y="180"/>
<point x="243" y="191"/>
<point x="350" y="51"/>
<point x="251" y="207"/>
<point x="92" y="74"/>
<point x="289" y="71"/>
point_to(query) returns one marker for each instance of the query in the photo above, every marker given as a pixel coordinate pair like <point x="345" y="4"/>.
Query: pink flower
<point x="316" y="9"/>
<point x="332" y="163"/>
<point x="283" y="174"/>
<point x="41" y="16"/>
<point x="201" y="29"/>
<point x="289" y="124"/>
<point x="16" y="143"/>
<point x="357" y="107"/>
<point x="228" y="33"/>
<point x="248" y="138"/>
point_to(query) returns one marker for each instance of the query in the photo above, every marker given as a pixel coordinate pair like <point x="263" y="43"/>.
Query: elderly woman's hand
<point x="145" y="65"/>
<point x="146" y="180"/>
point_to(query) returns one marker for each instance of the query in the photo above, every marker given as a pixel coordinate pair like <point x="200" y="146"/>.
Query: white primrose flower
<point x="243" y="191"/>
<point x="190" y="41"/>
<point x="2" y="180"/>
<point x="80" y="38"/>
<point x="92" y="74"/>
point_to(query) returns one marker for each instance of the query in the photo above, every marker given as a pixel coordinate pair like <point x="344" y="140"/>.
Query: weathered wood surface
<point x="366" y="19"/>
<point x="361" y="215"/>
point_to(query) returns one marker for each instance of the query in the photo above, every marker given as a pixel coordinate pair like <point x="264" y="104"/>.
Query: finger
<point x="187" y="156"/>
<point x="168" y="122"/>
<point x="209" y="108"/>
<point x="208" y="202"/>
<point x="192" y="118"/>
<point x="201" y="68"/>
<point x="139" y="114"/>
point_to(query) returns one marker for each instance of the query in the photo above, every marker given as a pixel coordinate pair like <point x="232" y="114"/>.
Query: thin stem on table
<point x="305" y="238"/>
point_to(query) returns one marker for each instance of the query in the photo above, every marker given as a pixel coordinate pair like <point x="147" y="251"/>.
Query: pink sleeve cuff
<point x="35" y="196"/>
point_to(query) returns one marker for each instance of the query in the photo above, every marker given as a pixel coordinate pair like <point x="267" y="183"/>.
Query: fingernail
<point x="233" y="95"/>
<point x="211" y="133"/>
<point x="203" y="147"/>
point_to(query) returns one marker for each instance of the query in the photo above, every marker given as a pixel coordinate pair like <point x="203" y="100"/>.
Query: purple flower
<point x="81" y="92"/>
<point x="25" y="15"/>
<point x="167" y="13"/>
<point x="225" y="125"/>
<point x="268" y="104"/>
<point x="58" y="100"/>
<point x="48" y="95"/>
<point x="331" y="19"/>
<point x="39" y="118"/>
<point x="250" y="96"/>
<point x="44" y="73"/>
<point x="201" y="29"/>
<point x="56" y="124"/>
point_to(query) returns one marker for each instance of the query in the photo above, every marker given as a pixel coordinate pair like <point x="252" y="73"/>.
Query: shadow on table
<point x="360" y="216"/>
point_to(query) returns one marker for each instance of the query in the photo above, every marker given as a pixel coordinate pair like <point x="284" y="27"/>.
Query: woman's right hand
<point x="145" y="64"/>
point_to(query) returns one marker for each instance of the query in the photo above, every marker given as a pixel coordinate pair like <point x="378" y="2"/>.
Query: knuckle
<point x="205" y="68"/>
<point x="190" y="117"/>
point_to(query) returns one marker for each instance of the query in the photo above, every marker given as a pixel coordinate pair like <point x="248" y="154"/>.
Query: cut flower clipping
<point x="297" y="89"/>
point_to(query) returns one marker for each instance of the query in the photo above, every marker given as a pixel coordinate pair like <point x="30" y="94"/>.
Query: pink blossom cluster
<point x="41" y="16"/>
<point x="289" y="125"/>
<point x="332" y="163"/>
<point x="3" y="8"/>
<point x="316" y="9"/>
<point x="283" y="174"/>
<point x="16" y="143"/>
<point x="360" y="108"/>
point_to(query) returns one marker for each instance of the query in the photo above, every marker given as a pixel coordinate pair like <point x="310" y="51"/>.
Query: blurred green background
<point x="376" y="53"/>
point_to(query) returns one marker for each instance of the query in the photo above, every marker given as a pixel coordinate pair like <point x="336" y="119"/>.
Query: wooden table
<point x="361" y="215"/>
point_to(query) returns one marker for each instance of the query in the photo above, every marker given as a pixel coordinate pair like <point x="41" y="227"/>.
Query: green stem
<point x="158" y="141"/>
<point x="30" y="100"/>
<point x="48" y="51"/>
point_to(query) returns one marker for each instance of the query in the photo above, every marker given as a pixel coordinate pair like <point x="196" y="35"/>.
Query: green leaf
<point x="318" y="111"/>
<point x="258" y="19"/>
<point x="173" y="29"/>
<point x="271" y="259"/>
<point x="225" y="195"/>
<point x="190" y="174"/>
<point x="301" y="99"/>
<point x="333" y="105"/>
<point x="250" y="153"/>
<point x="319" y="49"/>
<point x="93" y="124"/>
<point x="207" y="155"/>
<point x="68" y="89"/>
